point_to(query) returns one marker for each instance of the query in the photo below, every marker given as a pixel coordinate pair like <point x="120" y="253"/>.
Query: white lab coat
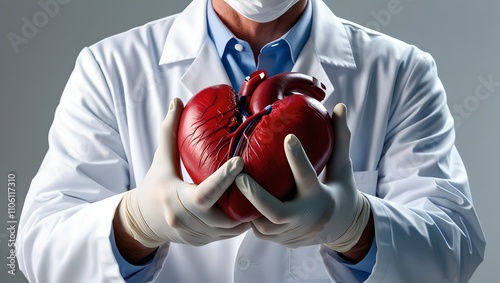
<point x="106" y="128"/>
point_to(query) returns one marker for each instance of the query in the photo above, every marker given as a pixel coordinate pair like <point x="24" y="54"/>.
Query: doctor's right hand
<point x="164" y="208"/>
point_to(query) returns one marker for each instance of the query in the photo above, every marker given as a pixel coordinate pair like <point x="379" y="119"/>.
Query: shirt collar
<point x="295" y="38"/>
<point x="217" y="31"/>
<point x="187" y="37"/>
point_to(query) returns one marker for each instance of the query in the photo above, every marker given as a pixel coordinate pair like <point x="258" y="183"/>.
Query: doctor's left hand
<point x="332" y="212"/>
<point x="164" y="208"/>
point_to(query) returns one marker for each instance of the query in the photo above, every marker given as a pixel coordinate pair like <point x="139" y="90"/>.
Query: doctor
<point x="112" y="204"/>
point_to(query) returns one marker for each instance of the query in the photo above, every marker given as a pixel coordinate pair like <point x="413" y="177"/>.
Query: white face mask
<point x="261" y="11"/>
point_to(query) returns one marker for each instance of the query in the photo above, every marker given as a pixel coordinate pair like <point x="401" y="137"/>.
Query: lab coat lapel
<point x="188" y="41"/>
<point x="328" y="44"/>
<point x="206" y="70"/>
<point x="309" y="63"/>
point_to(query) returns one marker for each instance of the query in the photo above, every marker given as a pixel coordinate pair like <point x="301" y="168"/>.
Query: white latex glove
<point x="334" y="213"/>
<point x="164" y="208"/>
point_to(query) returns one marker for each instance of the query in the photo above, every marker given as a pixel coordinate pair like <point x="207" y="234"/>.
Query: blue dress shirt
<point x="275" y="57"/>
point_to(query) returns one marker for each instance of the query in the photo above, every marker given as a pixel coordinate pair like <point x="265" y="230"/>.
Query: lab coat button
<point x="238" y="47"/>
<point x="243" y="263"/>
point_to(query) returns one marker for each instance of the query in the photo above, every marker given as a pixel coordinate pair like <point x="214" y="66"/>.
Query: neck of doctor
<point x="257" y="34"/>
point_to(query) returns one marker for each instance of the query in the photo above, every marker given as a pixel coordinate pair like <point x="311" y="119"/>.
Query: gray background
<point x="462" y="36"/>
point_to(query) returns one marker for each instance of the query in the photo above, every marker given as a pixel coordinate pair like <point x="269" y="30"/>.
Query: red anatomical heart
<point x="217" y="124"/>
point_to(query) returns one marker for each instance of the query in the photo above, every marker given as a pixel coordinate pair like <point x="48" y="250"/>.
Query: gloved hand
<point x="332" y="212"/>
<point x="164" y="208"/>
